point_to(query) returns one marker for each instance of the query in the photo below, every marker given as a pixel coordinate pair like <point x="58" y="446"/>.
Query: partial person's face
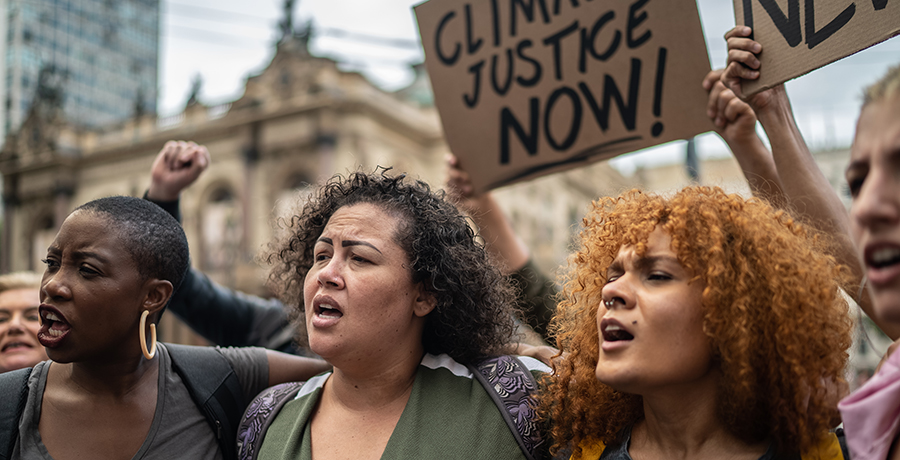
<point x="91" y="293"/>
<point x="19" y="325"/>
<point x="874" y="181"/>
<point x="651" y="337"/>
<point x="359" y="296"/>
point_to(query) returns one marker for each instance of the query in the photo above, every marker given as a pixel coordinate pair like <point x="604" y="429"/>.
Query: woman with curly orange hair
<point x="700" y="325"/>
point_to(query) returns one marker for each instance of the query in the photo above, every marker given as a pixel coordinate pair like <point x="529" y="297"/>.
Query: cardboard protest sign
<point x="529" y="87"/>
<point x="799" y="36"/>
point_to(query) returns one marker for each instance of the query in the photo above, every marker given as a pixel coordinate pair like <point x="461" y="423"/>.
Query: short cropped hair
<point x="474" y="315"/>
<point x="153" y="238"/>
<point x="778" y="327"/>
<point x="20" y="280"/>
<point x="885" y="88"/>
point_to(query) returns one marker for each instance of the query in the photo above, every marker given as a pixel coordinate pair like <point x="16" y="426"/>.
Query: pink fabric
<point x="871" y="414"/>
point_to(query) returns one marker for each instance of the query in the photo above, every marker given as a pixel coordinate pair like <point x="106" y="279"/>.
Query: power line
<point x="340" y="34"/>
<point x="378" y="63"/>
<point x="355" y="36"/>
<point x="218" y="12"/>
<point x="172" y="19"/>
<point x="215" y="38"/>
<point x="327" y="31"/>
<point x="231" y="41"/>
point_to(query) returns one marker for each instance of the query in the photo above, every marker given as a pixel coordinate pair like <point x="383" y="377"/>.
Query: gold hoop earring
<point x="152" y="352"/>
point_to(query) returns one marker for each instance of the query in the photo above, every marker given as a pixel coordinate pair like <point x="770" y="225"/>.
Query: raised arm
<point x="176" y="167"/>
<point x="220" y="315"/>
<point x="500" y="240"/>
<point x="808" y="192"/>
<point x="230" y="318"/>
<point x="736" y="124"/>
<point x="285" y="367"/>
<point x="535" y="292"/>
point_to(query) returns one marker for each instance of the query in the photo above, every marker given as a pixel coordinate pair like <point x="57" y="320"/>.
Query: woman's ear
<point x="158" y="294"/>
<point x="425" y="302"/>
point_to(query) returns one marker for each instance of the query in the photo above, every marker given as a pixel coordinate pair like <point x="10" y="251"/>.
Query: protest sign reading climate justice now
<point x="529" y="87"/>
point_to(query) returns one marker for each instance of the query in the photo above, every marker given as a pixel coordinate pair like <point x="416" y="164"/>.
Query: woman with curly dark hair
<point x="398" y="296"/>
<point x="700" y="325"/>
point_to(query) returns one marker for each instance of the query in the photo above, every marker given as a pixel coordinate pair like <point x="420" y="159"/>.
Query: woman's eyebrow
<point x="81" y="255"/>
<point x="615" y="266"/>
<point x="646" y="262"/>
<point x="348" y="243"/>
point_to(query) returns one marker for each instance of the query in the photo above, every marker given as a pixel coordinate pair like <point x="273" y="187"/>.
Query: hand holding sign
<point x="459" y="185"/>
<point x="744" y="66"/>
<point x="802" y="35"/>
<point x="735" y="122"/>
<point x="734" y="119"/>
<point x="742" y="61"/>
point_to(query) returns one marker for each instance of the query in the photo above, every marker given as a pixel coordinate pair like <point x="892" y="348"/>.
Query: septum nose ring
<point x="608" y="303"/>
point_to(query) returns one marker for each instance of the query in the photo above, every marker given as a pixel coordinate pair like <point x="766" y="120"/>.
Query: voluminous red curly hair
<point x="778" y="327"/>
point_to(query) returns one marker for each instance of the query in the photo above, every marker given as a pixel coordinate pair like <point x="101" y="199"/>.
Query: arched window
<point x="221" y="230"/>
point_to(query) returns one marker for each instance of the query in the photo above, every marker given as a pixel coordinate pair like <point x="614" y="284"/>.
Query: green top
<point x="536" y="296"/>
<point x="449" y="415"/>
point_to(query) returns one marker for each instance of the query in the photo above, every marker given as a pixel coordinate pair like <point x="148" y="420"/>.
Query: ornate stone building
<point x="301" y="120"/>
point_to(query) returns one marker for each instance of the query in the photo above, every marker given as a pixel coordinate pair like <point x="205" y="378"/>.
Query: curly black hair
<point x="474" y="316"/>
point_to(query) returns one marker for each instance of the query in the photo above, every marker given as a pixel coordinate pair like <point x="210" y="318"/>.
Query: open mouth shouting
<point x="326" y="311"/>
<point x="54" y="327"/>
<point x="882" y="263"/>
<point x="614" y="334"/>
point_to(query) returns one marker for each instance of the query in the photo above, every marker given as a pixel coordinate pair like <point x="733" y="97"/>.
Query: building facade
<point x="300" y="121"/>
<point x="102" y="55"/>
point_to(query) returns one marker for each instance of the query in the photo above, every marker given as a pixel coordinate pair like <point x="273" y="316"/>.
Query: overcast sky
<point x="226" y="40"/>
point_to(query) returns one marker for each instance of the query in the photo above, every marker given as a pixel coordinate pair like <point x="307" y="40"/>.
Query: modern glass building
<point x="102" y="54"/>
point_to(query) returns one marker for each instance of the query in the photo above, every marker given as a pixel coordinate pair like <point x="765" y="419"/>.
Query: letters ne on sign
<point x="789" y="25"/>
<point x="798" y="36"/>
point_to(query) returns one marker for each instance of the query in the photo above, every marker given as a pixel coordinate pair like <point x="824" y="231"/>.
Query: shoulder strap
<point x="259" y="415"/>
<point x="215" y="389"/>
<point x="513" y="388"/>
<point x="13" y="395"/>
